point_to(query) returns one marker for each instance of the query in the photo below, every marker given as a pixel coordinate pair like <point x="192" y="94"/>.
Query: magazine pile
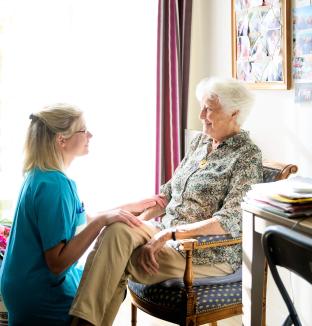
<point x="291" y="198"/>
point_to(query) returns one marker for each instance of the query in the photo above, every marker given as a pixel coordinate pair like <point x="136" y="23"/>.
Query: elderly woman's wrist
<point x="171" y="234"/>
<point x="163" y="235"/>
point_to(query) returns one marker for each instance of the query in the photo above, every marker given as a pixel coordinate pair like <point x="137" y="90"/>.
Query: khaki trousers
<point x="113" y="260"/>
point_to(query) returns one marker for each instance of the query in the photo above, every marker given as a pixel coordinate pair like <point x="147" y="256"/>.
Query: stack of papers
<point x="290" y="198"/>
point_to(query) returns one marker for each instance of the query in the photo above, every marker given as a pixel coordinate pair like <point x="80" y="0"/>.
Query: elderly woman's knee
<point x="117" y="229"/>
<point x="112" y="231"/>
<point x="123" y="235"/>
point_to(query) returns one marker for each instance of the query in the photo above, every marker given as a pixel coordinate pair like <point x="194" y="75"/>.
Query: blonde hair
<point x="40" y="146"/>
<point x="232" y="95"/>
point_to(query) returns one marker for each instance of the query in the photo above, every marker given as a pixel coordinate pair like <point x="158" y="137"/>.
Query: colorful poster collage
<point x="259" y="35"/>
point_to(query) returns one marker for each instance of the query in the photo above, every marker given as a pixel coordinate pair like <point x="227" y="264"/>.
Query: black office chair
<point x="292" y="250"/>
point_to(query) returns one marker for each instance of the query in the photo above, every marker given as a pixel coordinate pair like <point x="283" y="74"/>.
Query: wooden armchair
<point x="191" y="301"/>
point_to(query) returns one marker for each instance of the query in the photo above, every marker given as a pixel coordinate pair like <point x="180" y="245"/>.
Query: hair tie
<point x="33" y="117"/>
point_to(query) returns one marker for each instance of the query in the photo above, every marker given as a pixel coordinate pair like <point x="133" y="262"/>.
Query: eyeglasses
<point x="84" y="131"/>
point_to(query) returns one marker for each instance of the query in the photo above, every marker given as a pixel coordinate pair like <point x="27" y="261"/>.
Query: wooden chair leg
<point x="133" y="315"/>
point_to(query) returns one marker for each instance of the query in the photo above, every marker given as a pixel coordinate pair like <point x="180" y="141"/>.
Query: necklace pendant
<point x="202" y="164"/>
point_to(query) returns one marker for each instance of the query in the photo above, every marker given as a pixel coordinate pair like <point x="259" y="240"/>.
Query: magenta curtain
<point x="173" y="57"/>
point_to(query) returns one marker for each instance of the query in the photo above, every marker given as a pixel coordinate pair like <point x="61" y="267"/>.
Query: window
<point x="99" y="55"/>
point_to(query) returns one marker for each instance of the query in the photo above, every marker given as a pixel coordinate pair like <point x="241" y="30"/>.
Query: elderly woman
<point x="203" y="197"/>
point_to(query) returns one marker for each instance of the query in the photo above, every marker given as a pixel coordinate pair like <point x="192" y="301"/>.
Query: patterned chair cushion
<point x="213" y="238"/>
<point x="270" y="174"/>
<point x="231" y="278"/>
<point x="206" y="239"/>
<point x="209" y="297"/>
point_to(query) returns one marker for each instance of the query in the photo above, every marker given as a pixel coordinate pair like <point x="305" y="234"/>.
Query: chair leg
<point x="264" y="292"/>
<point x="289" y="321"/>
<point x="133" y="315"/>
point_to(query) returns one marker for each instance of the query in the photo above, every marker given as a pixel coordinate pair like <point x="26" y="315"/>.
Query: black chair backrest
<point x="292" y="250"/>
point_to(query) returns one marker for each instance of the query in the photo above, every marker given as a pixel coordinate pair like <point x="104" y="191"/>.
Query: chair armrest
<point x="284" y="170"/>
<point x="202" y="242"/>
<point x="210" y="241"/>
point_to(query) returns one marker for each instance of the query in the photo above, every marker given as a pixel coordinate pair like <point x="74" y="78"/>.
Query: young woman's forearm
<point x="62" y="256"/>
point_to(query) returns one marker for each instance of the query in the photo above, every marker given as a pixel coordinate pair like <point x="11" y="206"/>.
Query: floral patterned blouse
<point x="212" y="184"/>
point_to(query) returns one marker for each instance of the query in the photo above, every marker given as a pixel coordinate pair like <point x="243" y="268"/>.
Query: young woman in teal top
<point x="39" y="275"/>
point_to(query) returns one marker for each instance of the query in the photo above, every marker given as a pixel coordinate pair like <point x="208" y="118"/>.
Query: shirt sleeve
<point x="247" y="171"/>
<point x="55" y="211"/>
<point x="166" y="188"/>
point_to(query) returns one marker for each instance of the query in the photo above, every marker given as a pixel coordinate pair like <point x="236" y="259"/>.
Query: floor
<point x="124" y="318"/>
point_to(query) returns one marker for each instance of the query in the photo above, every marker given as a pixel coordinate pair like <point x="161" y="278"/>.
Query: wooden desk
<point x="255" y="220"/>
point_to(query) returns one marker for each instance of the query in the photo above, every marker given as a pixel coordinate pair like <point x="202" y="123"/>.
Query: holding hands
<point x="129" y="213"/>
<point x="138" y="207"/>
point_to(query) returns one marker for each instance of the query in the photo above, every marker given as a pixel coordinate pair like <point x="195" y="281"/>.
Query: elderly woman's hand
<point x="147" y="257"/>
<point x="160" y="200"/>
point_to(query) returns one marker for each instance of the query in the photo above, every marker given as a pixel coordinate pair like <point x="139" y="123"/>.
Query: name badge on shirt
<point x="81" y="218"/>
<point x="81" y="208"/>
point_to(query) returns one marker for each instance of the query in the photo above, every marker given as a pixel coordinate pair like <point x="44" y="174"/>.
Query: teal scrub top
<point x="48" y="212"/>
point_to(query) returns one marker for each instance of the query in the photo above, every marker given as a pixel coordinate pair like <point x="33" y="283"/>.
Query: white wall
<point x="281" y="128"/>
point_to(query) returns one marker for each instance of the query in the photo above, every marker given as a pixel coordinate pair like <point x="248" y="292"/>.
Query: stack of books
<point x="291" y="198"/>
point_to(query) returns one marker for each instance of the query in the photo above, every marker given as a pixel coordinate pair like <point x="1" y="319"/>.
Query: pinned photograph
<point x="303" y="92"/>
<point x="302" y="17"/>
